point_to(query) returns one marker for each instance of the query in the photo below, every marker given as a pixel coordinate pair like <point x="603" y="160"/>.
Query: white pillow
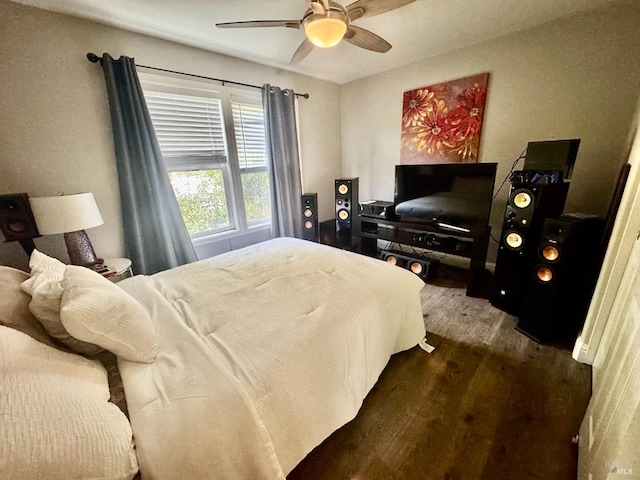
<point x="97" y="311"/>
<point x="45" y="288"/>
<point x="14" y="306"/>
<point x="56" y="421"/>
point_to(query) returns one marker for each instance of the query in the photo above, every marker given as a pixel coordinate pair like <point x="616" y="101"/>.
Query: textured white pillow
<point x="14" y="305"/>
<point x="96" y="310"/>
<point x="56" y="421"/>
<point x="45" y="288"/>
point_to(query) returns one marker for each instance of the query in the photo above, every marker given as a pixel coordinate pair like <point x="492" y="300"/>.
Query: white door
<point x="610" y="431"/>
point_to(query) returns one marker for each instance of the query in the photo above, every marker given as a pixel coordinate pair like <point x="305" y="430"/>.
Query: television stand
<point x="431" y="236"/>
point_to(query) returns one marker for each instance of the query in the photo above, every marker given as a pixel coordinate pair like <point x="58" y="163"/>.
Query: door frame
<point x="623" y="236"/>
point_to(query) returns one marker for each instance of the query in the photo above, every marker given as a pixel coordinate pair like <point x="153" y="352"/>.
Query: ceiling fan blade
<point x="374" y="7"/>
<point x="365" y="39"/>
<point x="303" y="50"/>
<point x="355" y="13"/>
<point x="260" y="23"/>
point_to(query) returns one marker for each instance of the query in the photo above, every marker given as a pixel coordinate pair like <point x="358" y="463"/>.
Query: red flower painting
<point x="442" y="123"/>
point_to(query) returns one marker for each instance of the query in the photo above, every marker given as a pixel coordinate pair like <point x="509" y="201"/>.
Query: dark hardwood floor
<point x="488" y="403"/>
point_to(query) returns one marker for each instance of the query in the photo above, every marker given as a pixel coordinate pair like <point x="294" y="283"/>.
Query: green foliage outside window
<point x="201" y="198"/>
<point x="255" y="187"/>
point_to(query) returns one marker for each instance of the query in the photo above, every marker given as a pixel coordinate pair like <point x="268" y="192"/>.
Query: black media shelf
<point x="470" y="244"/>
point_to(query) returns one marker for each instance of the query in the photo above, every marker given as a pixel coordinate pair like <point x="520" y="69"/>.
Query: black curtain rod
<point x="93" y="58"/>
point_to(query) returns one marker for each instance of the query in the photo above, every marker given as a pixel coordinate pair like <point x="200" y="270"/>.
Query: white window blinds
<point x="248" y="123"/>
<point x="188" y="128"/>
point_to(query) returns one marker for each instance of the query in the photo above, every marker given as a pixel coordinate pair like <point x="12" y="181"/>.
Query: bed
<point x="232" y="367"/>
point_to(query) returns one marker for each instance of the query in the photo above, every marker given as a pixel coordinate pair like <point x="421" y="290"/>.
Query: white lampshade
<point x="65" y="213"/>
<point x="325" y="31"/>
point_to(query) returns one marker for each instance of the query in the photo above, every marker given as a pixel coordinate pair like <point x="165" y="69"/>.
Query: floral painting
<point x="442" y="123"/>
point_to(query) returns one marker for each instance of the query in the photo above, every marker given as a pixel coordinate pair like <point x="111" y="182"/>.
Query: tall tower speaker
<point x="346" y="202"/>
<point x="528" y="205"/>
<point x="562" y="279"/>
<point x="310" y="216"/>
<point x="346" y="191"/>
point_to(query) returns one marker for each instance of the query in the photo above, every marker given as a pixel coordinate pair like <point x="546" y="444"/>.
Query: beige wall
<point x="576" y="78"/>
<point x="55" y="131"/>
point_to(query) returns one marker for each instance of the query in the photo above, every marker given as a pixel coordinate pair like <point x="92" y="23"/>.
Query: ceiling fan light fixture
<point x="325" y="31"/>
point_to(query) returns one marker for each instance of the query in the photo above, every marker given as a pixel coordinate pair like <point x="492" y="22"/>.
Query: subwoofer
<point x="310" y="216"/>
<point x="562" y="280"/>
<point x="16" y="218"/>
<point x="346" y="190"/>
<point x="528" y="205"/>
<point x="425" y="268"/>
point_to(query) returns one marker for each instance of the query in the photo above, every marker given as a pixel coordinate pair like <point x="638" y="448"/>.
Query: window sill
<point x="220" y="236"/>
<point x="212" y="245"/>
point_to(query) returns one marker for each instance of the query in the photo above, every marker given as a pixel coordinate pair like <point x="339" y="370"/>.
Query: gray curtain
<point x="284" y="161"/>
<point x="155" y="234"/>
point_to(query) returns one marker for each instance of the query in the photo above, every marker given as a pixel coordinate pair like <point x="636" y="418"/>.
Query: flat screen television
<point x="454" y="196"/>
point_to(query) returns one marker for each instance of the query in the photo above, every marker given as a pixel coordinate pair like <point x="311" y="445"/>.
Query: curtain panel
<point x="156" y="237"/>
<point x="284" y="161"/>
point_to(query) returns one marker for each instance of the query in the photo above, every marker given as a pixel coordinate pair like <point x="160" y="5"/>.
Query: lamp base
<point x="80" y="249"/>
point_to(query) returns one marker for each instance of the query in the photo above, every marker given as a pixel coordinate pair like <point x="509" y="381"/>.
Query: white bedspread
<point x="263" y="353"/>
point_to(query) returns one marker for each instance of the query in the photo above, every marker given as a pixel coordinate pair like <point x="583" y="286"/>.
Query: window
<point x="213" y="144"/>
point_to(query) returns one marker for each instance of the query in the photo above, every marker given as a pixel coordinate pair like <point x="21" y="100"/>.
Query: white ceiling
<point x="417" y="31"/>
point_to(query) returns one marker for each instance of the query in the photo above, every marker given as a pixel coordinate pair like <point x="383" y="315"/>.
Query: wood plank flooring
<point x="488" y="403"/>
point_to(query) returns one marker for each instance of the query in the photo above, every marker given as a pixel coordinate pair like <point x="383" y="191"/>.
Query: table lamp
<point x="71" y="215"/>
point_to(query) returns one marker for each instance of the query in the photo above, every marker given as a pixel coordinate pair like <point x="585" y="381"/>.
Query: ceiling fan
<point x="326" y="23"/>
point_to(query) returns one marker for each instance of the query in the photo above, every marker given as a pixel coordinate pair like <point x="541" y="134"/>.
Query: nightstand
<point x="122" y="266"/>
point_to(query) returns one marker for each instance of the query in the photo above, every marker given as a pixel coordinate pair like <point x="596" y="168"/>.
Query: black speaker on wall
<point x="16" y="218"/>
<point x="310" y="216"/>
<point x="528" y="205"/>
<point x="17" y="222"/>
<point x="562" y="280"/>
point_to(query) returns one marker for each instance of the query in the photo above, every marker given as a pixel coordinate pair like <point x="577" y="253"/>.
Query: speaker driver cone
<point x="416" y="267"/>
<point x="343" y="189"/>
<point x="308" y="225"/>
<point x="391" y="259"/>
<point x="544" y="274"/>
<point x="17" y="227"/>
<point x="522" y="199"/>
<point x="343" y="215"/>
<point x="550" y="253"/>
<point x="308" y="212"/>
<point x="513" y="240"/>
